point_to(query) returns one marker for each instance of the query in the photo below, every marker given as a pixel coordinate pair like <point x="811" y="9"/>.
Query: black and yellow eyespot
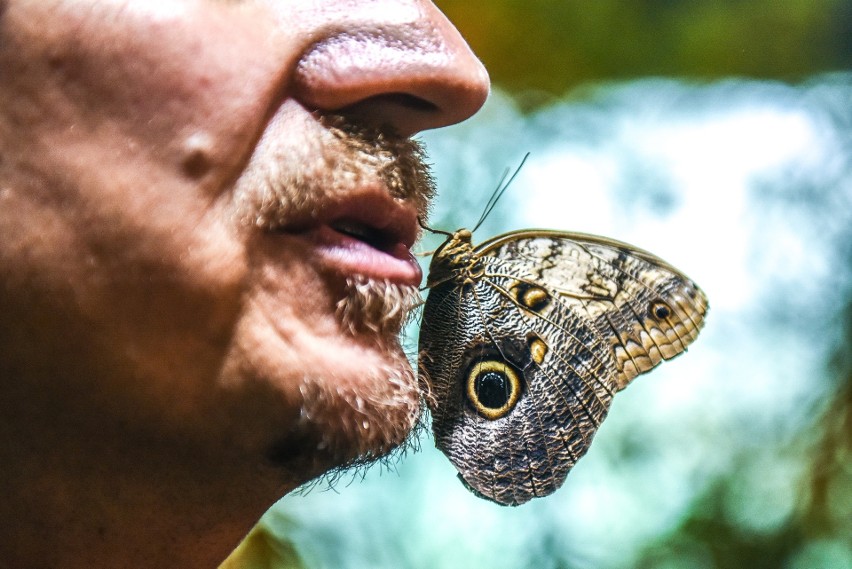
<point x="659" y="310"/>
<point x="531" y="296"/>
<point x="493" y="388"/>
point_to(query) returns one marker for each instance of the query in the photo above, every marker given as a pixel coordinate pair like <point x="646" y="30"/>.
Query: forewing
<point x="646" y="309"/>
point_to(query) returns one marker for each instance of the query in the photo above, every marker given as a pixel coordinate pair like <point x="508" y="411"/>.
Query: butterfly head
<point x="454" y="260"/>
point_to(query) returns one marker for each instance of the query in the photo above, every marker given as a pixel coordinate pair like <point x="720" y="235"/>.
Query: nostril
<point x="403" y="100"/>
<point x="395" y="110"/>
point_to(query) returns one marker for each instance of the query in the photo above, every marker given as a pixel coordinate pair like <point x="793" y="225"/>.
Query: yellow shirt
<point x="262" y="550"/>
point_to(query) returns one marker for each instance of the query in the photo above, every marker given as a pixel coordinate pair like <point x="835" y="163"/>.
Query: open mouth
<point x="383" y="240"/>
<point x="370" y="236"/>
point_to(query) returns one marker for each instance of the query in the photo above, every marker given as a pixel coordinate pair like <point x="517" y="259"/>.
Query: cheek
<point x="165" y="294"/>
<point x="145" y="124"/>
<point x="189" y="85"/>
<point x="136" y="310"/>
<point x="128" y="268"/>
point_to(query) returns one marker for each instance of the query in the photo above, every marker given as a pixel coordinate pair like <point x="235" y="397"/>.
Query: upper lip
<point x="377" y="219"/>
<point x="371" y="216"/>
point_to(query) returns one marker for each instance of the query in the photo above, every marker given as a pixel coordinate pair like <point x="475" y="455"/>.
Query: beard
<point x="379" y="308"/>
<point x="344" y="421"/>
<point x="359" y="424"/>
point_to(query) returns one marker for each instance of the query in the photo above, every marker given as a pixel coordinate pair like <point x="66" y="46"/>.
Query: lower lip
<point x="348" y="255"/>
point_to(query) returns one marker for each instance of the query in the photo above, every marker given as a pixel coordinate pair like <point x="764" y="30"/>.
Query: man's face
<point x="207" y="210"/>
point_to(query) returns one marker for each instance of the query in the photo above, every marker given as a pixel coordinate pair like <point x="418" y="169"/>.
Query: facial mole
<point x="196" y="160"/>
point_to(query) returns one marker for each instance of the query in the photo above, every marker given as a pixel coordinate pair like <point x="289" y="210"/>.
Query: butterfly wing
<point x="522" y="358"/>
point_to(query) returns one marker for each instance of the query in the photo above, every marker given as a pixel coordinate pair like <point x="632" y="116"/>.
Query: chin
<point x="365" y="406"/>
<point x="323" y="396"/>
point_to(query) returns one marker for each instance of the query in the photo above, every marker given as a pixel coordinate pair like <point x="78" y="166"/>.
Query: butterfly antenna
<point x="499" y="191"/>
<point x="492" y="200"/>
<point x="423" y="225"/>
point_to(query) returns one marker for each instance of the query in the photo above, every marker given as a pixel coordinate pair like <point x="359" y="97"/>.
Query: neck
<point x="76" y="496"/>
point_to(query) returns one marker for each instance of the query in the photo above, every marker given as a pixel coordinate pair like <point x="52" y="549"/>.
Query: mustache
<point x="399" y="162"/>
<point x="324" y="158"/>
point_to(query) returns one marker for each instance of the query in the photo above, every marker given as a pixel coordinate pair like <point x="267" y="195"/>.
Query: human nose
<point x="391" y="63"/>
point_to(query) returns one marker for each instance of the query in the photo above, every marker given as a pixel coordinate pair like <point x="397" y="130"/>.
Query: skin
<point x="189" y="331"/>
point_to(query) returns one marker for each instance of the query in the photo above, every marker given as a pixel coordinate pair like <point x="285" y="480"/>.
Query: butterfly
<point x="526" y="338"/>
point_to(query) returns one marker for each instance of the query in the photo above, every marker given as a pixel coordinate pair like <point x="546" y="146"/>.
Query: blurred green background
<point x="539" y="49"/>
<point x="717" y="134"/>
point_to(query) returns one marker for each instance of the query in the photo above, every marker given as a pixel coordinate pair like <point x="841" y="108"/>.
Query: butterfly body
<point x="526" y="338"/>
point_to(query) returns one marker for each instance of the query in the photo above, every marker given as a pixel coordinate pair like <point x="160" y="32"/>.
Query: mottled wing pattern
<point x="576" y="317"/>
<point x="648" y="310"/>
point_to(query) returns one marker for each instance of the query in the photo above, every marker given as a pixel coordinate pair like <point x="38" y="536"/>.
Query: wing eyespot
<point x="659" y="310"/>
<point x="493" y="388"/>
